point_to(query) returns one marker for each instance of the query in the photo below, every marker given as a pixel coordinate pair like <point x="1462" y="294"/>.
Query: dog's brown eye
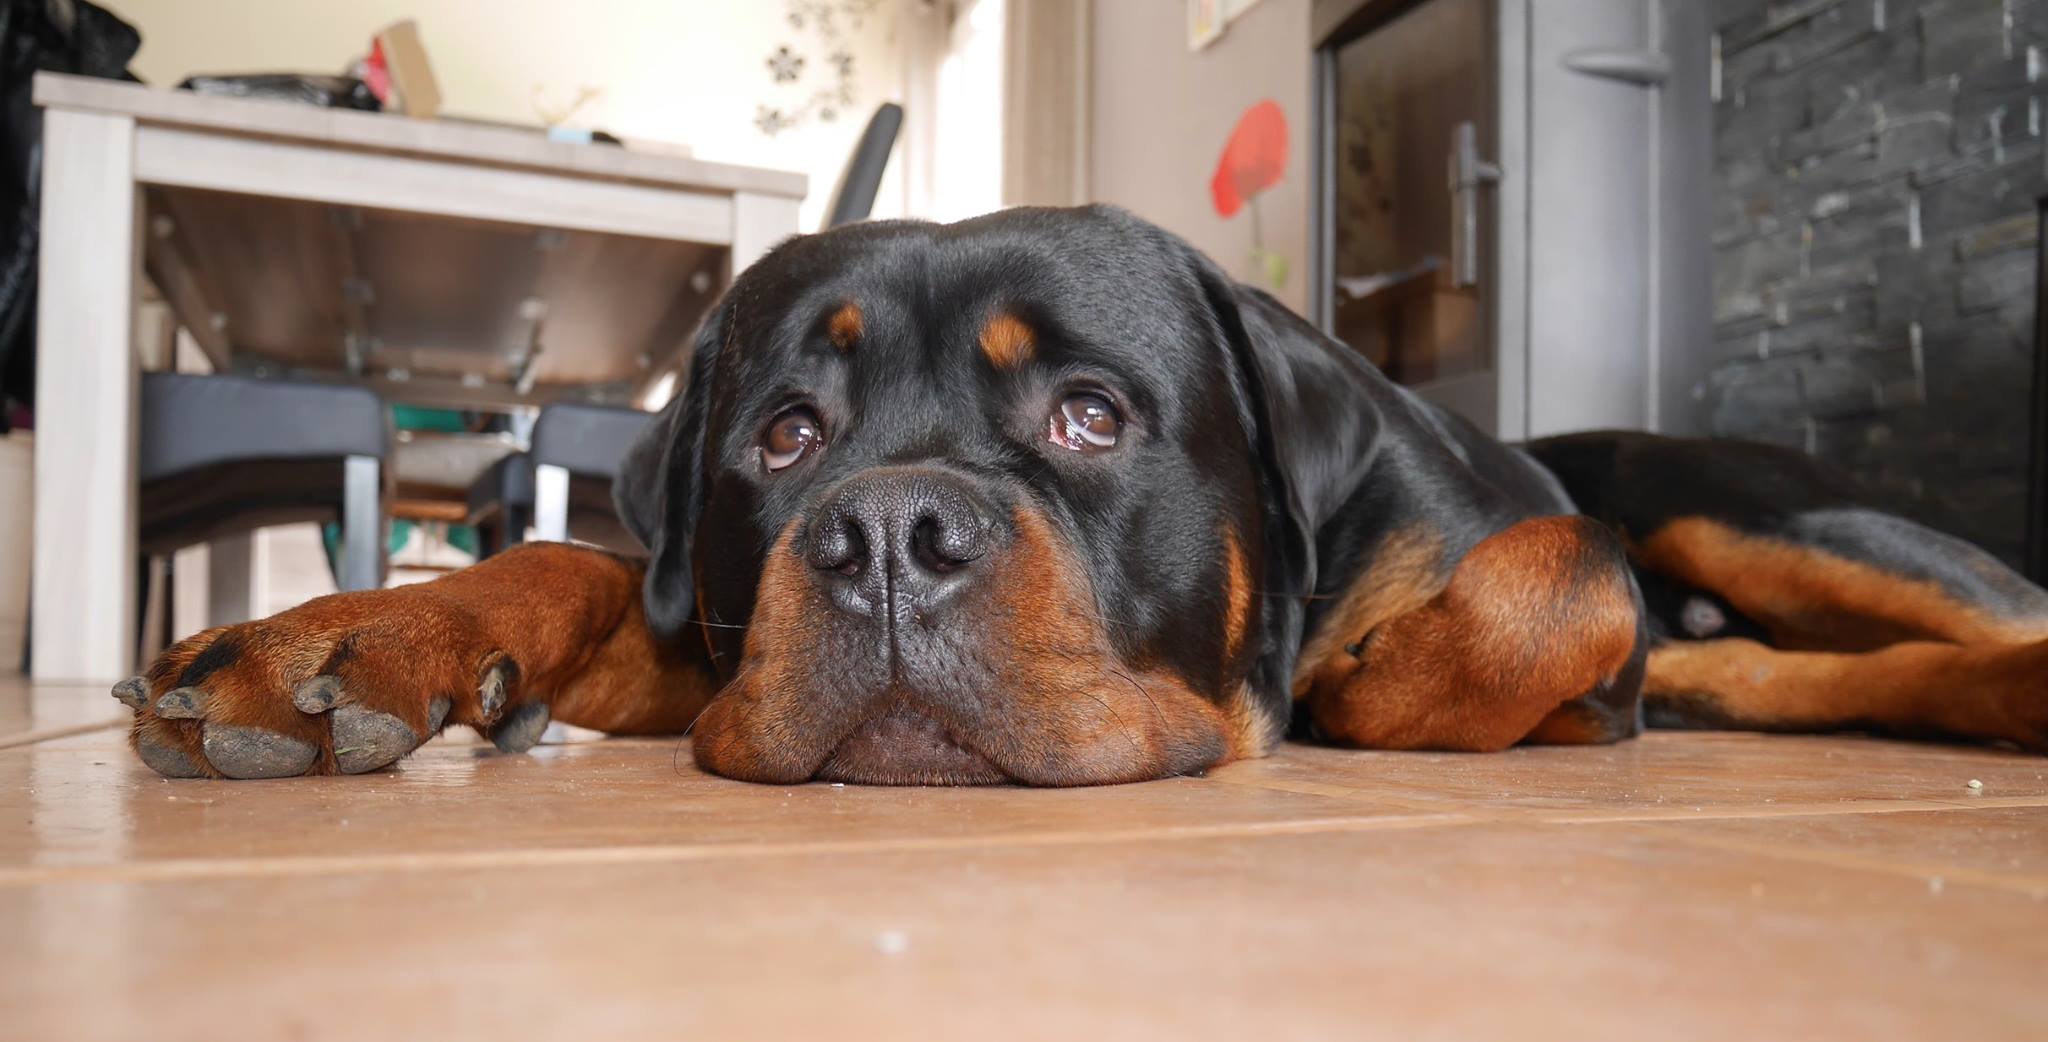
<point x="793" y="435"/>
<point x="1086" y="423"/>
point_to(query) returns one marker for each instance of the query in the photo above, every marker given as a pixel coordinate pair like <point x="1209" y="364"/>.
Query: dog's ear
<point x="1315" y="429"/>
<point x="1314" y="421"/>
<point x="659" y="490"/>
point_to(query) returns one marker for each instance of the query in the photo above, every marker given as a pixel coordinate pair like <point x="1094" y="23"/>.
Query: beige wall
<point x="1162" y="114"/>
<point x="691" y="72"/>
<point x="685" y="71"/>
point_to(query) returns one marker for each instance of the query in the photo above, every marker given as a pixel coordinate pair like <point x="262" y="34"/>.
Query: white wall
<point x="685" y="71"/>
<point x="1162" y="114"/>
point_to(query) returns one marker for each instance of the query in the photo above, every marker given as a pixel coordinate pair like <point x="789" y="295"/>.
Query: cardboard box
<point x="405" y="58"/>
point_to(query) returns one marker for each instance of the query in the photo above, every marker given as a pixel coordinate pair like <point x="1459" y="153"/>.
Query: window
<point x="967" y="131"/>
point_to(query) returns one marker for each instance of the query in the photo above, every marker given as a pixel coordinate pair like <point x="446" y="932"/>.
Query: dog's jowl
<point x="1045" y="498"/>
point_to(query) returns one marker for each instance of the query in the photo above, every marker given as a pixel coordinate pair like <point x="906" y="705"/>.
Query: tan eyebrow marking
<point x="846" y="326"/>
<point x="1006" y="340"/>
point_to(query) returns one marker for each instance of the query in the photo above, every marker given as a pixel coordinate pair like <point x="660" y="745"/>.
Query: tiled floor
<point x="1681" y="886"/>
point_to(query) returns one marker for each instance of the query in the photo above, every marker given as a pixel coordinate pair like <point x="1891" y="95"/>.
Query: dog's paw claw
<point x="251" y="752"/>
<point x="521" y="729"/>
<point x="132" y="692"/>
<point x="317" y="695"/>
<point x="165" y="759"/>
<point x="185" y="703"/>
<point x="495" y="686"/>
<point x="344" y="685"/>
<point x="365" y="739"/>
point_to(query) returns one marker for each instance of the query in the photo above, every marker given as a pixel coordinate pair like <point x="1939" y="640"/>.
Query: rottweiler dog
<point x="1046" y="498"/>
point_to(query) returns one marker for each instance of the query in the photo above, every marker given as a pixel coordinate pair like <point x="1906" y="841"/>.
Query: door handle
<point x="1643" y="68"/>
<point x="1468" y="174"/>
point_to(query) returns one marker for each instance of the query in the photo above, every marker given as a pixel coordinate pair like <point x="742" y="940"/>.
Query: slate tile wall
<point x="1880" y="166"/>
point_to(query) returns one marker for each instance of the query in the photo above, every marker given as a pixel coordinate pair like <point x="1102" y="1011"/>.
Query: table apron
<point x="375" y="180"/>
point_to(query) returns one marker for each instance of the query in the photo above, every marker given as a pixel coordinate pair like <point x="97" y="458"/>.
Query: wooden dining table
<point x="440" y="262"/>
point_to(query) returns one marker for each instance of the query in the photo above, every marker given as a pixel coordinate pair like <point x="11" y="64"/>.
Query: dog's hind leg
<point x="1922" y="689"/>
<point x="1846" y="579"/>
<point x="1783" y="600"/>
<point x="1862" y="620"/>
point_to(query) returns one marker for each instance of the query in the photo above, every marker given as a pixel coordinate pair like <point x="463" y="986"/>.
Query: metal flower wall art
<point x="820" y="89"/>
<point x="1253" y="160"/>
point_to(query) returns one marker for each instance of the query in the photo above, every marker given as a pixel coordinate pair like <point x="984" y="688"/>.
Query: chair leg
<point x="362" y="524"/>
<point x="513" y="531"/>
<point x="156" y="601"/>
<point x="550" y="503"/>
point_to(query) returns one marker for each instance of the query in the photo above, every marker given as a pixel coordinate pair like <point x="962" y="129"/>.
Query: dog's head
<point x="1023" y="499"/>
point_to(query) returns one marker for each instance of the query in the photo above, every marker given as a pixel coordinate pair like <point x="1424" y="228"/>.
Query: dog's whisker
<point x="700" y="715"/>
<point x="1140" y="688"/>
<point x="1297" y="596"/>
<point x="1121" y="727"/>
<point x="1104" y="618"/>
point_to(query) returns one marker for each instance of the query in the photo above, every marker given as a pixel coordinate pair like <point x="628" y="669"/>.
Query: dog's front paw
<point x="343" y="684"/>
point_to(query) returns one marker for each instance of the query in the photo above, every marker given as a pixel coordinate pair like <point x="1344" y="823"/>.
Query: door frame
<point x="1495" y="397"/>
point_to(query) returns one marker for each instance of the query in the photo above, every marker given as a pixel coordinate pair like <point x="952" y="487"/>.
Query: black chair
<point x="854" y="198"/>
<point x="562" y="486"/>
<point x="221" y="455"/>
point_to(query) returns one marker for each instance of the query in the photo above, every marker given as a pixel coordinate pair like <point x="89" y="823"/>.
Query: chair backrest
<point x="590" y="440"/>
<point x="189" y="422"/>
<point x="855" y="198"/>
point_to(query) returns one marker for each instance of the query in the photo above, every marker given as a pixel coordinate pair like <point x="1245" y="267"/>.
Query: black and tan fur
<point x="948" y="587"/>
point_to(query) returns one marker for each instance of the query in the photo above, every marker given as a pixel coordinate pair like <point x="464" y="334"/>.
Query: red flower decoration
<point x="1254" y="158"/>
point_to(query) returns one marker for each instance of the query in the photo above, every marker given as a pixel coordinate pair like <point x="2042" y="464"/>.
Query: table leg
<point x="759" y="222"/>
<point x="84" y="601"/>
<point x="550" y="503"/>
<point x="364" y="533"/>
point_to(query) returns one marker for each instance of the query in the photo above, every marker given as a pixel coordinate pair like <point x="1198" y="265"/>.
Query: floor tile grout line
<point x="193" y="869"/>
<point x="1788" y="810"/>
<point x="187" y="869"/>
<point x="1834" y="857"/>
<point x="1591" y="816"/>
<point x="1995" y="802"/>
<point x="24" y="738"/>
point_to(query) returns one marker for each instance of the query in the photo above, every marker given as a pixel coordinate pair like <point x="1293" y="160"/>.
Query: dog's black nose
<point x="902" y="538"/>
